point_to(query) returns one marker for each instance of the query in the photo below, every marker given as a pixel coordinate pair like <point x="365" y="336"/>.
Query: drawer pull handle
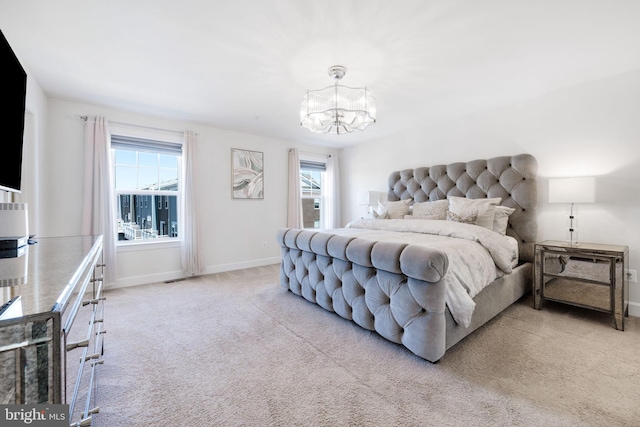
<point x="97" y="279"/>
<point x="93" y="301"/>
<point x="83" y="343"/>
<point x="98" y="362"/>
<point x="101" y="265"/>
<point x="98" y="321"/>
<point x="104" y="331"/>
<point x="85" y="422"/>
<point x="94" y="410"/>
<point x="93" y="356"/>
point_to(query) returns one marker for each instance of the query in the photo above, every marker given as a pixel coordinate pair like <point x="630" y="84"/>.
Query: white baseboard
<point x="147" y="278"/>
<point x="175" y="275"/>
<point x="634" y="309"/>
<point x="241" y="265"/>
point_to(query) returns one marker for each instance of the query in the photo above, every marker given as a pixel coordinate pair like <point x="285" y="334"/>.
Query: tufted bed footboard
<point x="393" y="289"/>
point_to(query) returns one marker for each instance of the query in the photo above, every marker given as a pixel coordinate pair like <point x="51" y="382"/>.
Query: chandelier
<point x="338" y="109"/>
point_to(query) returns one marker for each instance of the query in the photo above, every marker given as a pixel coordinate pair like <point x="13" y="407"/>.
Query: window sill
<point x="132" y="245"/>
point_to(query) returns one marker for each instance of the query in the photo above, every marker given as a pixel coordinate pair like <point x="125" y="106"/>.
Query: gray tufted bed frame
<point x="357" y="278"/>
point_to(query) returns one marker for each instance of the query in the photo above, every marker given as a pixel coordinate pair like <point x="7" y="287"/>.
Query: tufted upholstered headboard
<point x="513" y="178"/>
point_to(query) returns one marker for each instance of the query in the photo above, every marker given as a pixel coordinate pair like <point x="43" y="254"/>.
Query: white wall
<point x="233" y="230"/>
<point x="592" y="129"/>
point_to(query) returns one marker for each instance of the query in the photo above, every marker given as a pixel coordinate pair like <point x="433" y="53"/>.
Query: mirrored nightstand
<point x="588" y="275"/>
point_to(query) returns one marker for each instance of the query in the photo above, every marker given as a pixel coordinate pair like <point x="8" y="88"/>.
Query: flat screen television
<point x="12" y="118"/>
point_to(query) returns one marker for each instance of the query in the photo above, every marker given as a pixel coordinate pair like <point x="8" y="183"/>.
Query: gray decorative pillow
<point x="471" y="218"/>
<point x="435" y="210"/>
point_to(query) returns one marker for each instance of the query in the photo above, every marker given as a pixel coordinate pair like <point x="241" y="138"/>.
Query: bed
<point x="418" y="278"/>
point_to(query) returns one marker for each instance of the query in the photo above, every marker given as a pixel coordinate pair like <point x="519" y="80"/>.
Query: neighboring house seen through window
<point x="147" y="188"/>
<point x="312" y="176"/>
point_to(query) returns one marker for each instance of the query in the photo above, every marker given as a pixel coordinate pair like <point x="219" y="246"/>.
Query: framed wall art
<point x="247" y="170"/>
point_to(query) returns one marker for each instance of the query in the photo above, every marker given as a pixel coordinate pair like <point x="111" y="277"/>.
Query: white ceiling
<point x="245" y="64"/>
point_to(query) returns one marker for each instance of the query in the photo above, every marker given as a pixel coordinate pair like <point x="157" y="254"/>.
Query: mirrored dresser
<point x="51" y="324"/>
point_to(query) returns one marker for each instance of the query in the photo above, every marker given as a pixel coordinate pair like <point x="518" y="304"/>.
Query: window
<point x="147" y="187"/>
<point x="312" y="176"/>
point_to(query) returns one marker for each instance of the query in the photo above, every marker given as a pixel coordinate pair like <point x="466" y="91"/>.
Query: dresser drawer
<point x="82" y="346"/>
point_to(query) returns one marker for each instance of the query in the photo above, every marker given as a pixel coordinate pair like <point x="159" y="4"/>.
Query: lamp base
<point x="573" y="234"/>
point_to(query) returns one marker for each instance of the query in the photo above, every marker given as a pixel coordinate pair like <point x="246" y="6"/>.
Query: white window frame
<point x="141" y="243"/>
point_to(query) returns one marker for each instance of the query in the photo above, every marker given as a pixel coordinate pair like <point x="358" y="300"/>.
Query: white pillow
<point x="383" y="215"/>
<point x="501" y="219"/>
<point x="381" y="211"/>
<point x="393" y="210"/>
<point x="434" y="210"/>
<point x="486" y="208"/>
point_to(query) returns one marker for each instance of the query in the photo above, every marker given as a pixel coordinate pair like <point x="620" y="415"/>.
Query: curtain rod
<point x="85" y="118"/>
<point x="313" y="154"/>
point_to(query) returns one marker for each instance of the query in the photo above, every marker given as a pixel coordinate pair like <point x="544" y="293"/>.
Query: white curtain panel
<point x="191" y="249"/>
<point x="98" y="202"/>
<point x="331" y="191"/>
<point x="294" y="204"/>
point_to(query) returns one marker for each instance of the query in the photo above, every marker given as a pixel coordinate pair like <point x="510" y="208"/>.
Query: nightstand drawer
<point x="589" y="295"/>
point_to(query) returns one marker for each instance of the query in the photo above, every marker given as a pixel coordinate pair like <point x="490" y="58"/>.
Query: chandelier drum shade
<point x="338" y="109"/>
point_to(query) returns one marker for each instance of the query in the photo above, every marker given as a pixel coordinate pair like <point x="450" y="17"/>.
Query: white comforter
<point x="477" y="256"/>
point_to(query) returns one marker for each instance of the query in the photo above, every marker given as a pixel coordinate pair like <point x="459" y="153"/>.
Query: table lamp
<point x="572" y="190"/>
<point x="368" y="198"/>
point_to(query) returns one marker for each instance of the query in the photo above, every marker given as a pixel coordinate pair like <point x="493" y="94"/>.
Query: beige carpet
<point x="237" y="349"/>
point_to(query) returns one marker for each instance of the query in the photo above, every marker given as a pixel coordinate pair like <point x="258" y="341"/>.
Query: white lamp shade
<point x="367" y="198"/>
<point x="572" y="190"/>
